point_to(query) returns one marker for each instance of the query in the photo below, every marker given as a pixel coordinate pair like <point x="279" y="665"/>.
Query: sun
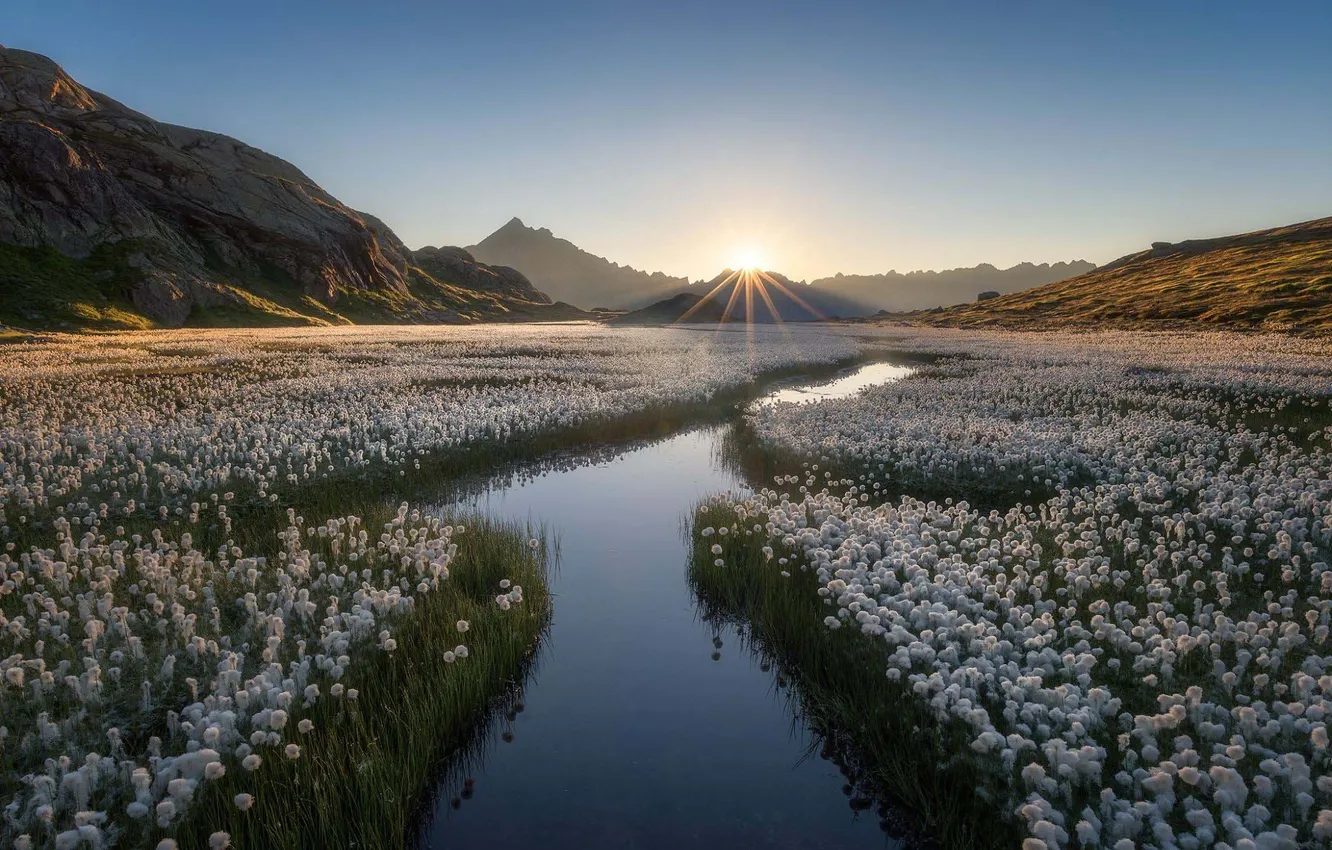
<point x="748" y="259"/>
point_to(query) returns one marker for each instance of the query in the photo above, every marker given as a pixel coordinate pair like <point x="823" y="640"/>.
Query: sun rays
<point x="748" y="287"/>
<point x="749" y="258"/>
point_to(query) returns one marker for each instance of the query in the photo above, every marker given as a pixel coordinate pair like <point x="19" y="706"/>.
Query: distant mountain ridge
<point x="767" y="297"/>
<point x="895" y="291"/>
<point x="569" y="273"/>
<point x="756" y="297"/>
<point x="1279" y="279"/>
<point x="111" y="219"/>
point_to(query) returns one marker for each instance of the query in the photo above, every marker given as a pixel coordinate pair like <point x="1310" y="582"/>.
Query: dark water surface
<point x="633" y="736"/>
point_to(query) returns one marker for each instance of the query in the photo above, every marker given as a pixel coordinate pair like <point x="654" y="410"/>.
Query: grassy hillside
<point x="1269" y="279"/>
<point x="42" y="289"/>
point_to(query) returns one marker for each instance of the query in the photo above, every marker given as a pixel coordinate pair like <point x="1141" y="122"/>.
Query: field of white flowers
<point x="159" y="680"/>
<point x="1103" y="559"/>
<point x="124" y="424"/>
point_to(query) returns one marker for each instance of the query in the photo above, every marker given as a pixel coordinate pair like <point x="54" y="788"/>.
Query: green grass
<point x="365" y="770"/>
<point x="440" y="472"/>
<point x="756" y="460"/>
<point x="364" y="773"/>
<point x="834" y="670"/>
<point x="367" y="766"/>
<point x="900" y="751"/>
<point x="43" y="288"/>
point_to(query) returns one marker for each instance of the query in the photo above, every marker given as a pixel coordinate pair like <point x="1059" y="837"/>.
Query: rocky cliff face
<point x="457" y="264"/>
<point x="196" y="214"/>
<point x="569" y="273"/>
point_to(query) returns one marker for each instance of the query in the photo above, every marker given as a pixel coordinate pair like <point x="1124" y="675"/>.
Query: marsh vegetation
<point x="1060" y="589"/>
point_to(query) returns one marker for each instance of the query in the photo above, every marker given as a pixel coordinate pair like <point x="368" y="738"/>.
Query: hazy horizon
<point x="853" y="138"/>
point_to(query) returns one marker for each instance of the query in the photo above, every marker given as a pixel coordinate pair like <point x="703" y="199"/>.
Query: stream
<point x="633" y="736"/>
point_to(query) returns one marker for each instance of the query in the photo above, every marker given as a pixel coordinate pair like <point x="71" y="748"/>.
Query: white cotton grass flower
<point x="306" y="726"/>
<point x="463" y="625"/>
<point x="165" y="811"/>
<point x="1158" y="507"/>
<point x="219" y="841"/>
<point x="243" y="801"/>
<point x="252" y="762"/>
<point x="1030" y="623"/>
<point x="293" y="751"/>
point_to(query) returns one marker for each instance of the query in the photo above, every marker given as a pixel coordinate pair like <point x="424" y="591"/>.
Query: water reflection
<point x="866" y="376"/>
<point x="812" y="725"/>
<point x="645" y="728"/>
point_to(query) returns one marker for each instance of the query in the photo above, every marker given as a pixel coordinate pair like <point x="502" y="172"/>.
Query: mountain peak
<point x="35" y="82"/>
<point x="189" y="221"/>
<point x="568" y="273"/>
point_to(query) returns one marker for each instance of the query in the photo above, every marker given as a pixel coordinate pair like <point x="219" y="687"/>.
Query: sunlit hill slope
<point x="110" y="219"/>
<point x="1271" y="279"/>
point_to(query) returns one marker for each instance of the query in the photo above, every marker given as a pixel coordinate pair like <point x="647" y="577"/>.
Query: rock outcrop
<point x="459" y="266"/>
<point x="197" y="215"/>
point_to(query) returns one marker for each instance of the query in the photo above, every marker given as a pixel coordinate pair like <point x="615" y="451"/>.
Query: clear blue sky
<point x="827" y="137"/>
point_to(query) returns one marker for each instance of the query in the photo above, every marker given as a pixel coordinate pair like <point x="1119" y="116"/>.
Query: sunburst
<point x="748" y="259"/>
<point x="750" y="286"/>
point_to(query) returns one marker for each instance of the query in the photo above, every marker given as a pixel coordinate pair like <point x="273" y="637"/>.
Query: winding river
<point x="642" y="727"/>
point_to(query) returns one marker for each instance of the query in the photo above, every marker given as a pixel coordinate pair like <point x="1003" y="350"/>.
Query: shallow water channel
<point x="633" y="736"/>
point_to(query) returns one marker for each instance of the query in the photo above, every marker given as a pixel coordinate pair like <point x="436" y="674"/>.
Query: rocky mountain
<point x="111" y="219"/>
<point x="1275" y="279"/>
<point x="759" y="297"/>
<point x="568" y="273"/>
<point x="673" y="309"/>
<point x="921" y="290"/>
<point x="771" y="296"/>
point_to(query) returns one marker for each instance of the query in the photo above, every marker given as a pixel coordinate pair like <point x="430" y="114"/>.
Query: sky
<point x="813" y="138"/>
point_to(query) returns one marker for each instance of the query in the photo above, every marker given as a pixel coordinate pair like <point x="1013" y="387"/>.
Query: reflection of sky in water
<point x="865" y="376"/>
<point x="633" y="736"/>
